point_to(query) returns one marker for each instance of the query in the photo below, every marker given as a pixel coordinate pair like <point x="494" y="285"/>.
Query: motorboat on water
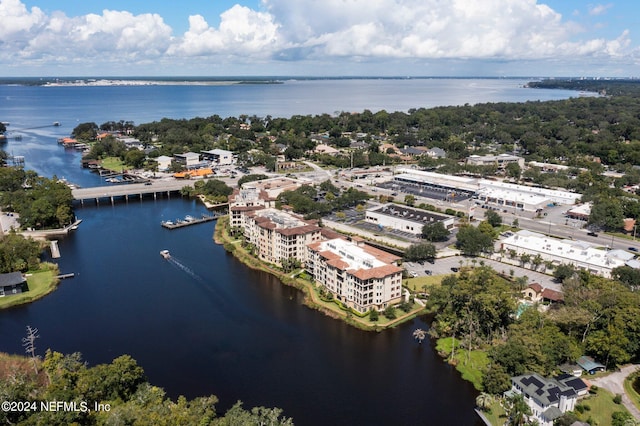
<point x="165" y="254"/>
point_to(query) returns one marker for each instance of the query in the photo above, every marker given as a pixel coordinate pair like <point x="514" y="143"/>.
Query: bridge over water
<point x="110" y="193"/>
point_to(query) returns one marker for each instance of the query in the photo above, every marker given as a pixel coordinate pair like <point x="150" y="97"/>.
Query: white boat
<point x="168" y="222"/>
<point x="165" y="254"/>
<point x="188" y="218"/>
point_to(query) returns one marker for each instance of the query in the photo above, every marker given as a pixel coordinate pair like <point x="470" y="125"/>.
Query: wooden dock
<point x="64" y="276"/>
<point x="187" y="222"/>
<point x="55" y="250"/>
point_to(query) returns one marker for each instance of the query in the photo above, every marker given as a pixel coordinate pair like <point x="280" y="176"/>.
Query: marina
<point x="189" y="220"/>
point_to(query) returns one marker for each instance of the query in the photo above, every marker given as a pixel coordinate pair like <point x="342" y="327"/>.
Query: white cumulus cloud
<point x="242" y="31"/>
<point x="599" y="9"/>
<point x="311" y="31"/>
<point x="428" y="29"/>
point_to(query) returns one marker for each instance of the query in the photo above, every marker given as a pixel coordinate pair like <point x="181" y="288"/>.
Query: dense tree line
<point x="599" y="317"/>
<point x="42" y="203"/>
<point x="314" y="203"/>
<point x="121" y="384"/>
<point x="18" y="253"/>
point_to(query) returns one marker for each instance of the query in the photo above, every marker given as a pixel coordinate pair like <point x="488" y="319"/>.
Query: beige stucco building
<point x="278" y="235"/>
<point x="358" y="275"/>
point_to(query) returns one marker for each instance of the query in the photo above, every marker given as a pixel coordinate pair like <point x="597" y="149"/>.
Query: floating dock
<point x="55" y="250"/>
<point x="189" y="221"/>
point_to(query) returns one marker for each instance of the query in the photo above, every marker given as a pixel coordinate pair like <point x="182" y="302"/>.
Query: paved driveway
<point x="614" y="383"/>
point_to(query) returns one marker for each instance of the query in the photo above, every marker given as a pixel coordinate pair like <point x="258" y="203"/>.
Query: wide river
<point x="204" y="323"/>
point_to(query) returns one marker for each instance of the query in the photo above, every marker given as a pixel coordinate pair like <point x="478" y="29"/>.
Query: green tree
<point x="85" y="131"/>
<point x="435" y="231"/>
<point x="409" y="200"/>
<point x="563" y="271"/>
<point x="606" y="213"/>
<point x="471" y="241"/>
<point x="420" y="251"/>
<point x="517" y="410"/>
<point x="513" y="170"/>
<point x="493" y="218"/>
<point x="496" y="380"/>
<point x="484" y="401"/>
<point x="135" y="158"/>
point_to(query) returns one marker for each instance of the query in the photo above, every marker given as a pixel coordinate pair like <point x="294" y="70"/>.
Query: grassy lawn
<point x="114" y="164"/>
<point x="415" y="284"/>
<point x="40" y="282"/>
<point x="631" y="392"/>
<point x="601" y="407"/>
<point x="469" y="364"/>
<point x="496" y="415"/>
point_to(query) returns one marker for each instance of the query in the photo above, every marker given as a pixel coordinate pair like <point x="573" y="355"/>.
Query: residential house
<point x="548" y="399"/>
<point x="436" y="152"/>
<point x="538" y="294"/>
<point x="12" y="283"/>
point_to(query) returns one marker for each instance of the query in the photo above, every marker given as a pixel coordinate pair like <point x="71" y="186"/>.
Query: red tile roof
<point x="379" y="272"/>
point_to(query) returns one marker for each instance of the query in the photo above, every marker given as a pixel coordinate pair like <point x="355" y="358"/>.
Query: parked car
<point x="428" y="272"/>
<point x="413" y="274"/>
<point x="454" y="269"/>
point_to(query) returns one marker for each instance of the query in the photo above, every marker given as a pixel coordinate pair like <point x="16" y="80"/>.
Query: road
<point x="614" y="383"/>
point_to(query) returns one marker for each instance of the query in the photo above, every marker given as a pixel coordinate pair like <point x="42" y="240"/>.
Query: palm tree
<point x="517" y="410"/>
<point x="419" y="334"/>
<point x="484" y="401"/>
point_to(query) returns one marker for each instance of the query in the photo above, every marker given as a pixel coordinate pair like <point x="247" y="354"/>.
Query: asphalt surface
<point x="614" y="383"/>
<point x="443" y="266"/>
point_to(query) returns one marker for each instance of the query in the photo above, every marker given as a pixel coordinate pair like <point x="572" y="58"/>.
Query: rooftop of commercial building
<point x="408" y="213"/>
<point x="574" y="250"/>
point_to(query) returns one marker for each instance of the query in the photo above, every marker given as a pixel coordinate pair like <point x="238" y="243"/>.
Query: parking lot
<point x="427" y="191"/>
<point x="444" y="266"/>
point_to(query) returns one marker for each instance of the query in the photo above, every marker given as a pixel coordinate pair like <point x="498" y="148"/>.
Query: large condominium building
<point x="360" y="276"/>
<point x="257" y="195"/>
<point x="580" y="254"/>
<point x="278" y="235"/>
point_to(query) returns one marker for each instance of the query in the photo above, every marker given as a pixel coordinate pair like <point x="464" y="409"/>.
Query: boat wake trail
<point x="175" y="262"/>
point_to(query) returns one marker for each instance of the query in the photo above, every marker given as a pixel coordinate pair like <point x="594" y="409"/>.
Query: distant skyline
<point x="486" y="38"/>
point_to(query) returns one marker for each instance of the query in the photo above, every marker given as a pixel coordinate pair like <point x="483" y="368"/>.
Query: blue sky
<point x="313" y="37"/>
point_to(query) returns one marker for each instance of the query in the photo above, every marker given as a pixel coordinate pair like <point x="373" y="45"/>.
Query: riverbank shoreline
<point x="311" y="297"/>
<point x="41" y="283"/>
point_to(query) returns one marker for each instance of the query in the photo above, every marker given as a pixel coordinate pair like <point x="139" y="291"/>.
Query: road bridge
<point x="110" y="193"/>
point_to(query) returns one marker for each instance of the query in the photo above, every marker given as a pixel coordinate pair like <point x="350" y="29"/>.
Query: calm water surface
<point x="205" y="324"/>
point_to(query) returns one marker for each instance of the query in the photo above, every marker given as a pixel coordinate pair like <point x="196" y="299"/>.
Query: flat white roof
<point x="516" y="196"/>
<point x="218" y="152"/>
<point x="549" y="193"/>
<point x="572" y="250"/>
<point x="584" y="209"/>
<point x="349" y="252"/>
